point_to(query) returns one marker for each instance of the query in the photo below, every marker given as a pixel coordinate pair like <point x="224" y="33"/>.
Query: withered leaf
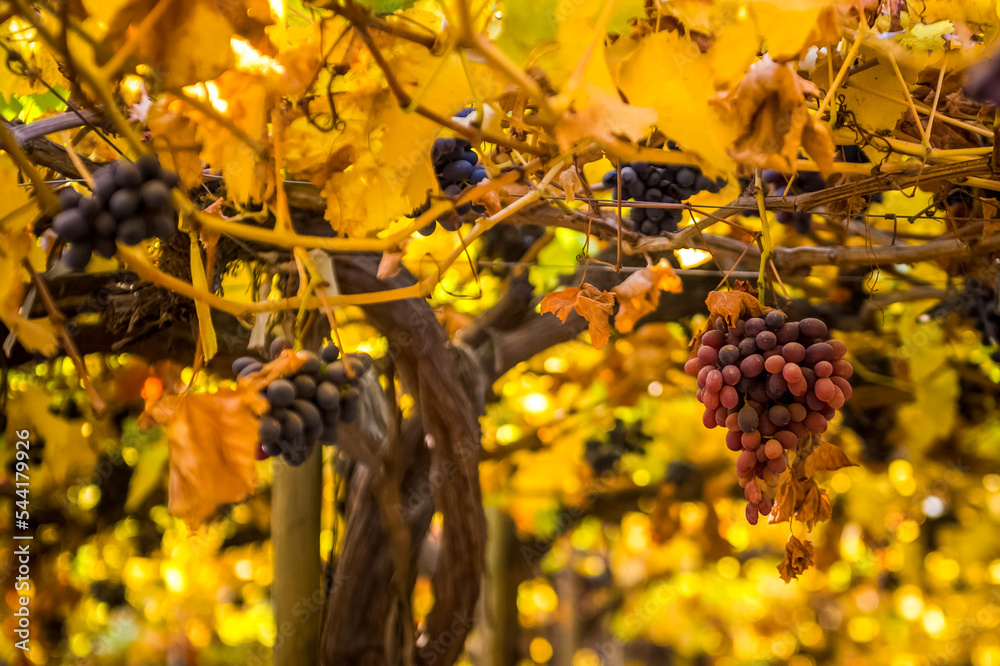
<point x="826" y="458"/>
<point x="770" y="108"/>
<point x="590" y="303"/>
<point x="733" y="305"/>
<point x="798" y="558"/>
<point x="639" y="294"/>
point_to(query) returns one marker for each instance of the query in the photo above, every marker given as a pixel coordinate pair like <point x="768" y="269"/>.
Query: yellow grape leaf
<point x="790" y="27"/>
<point x="826" y="458"/>
<point x="526" y="25"/>
<point x="175" y="141"/>
<point x="640" y="293"/>
<point x="246" y="176"/>
<point x="923" y="37"/>
<point x="602" y="117"/>
<point x="668" y="73"/>
<point x="17" y="211"/>
<point x="590" y="303"/>
<point x="189" y="42"/>
<point x="212" y="438"/>
<point x="798" y="558"/>
<point x="39" y="63"/>
<point x="773" y="120"/>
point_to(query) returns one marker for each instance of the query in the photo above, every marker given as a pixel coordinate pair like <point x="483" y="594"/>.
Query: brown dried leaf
<point x="639" y="294"/>
<point x="590" y="303"/>
<point x="769" y="106"/>
<point x="733" y="305"/>
<point x="785" y="500"/>
<point x="798" y="558"/>
<point x="815" y="507"/>
<point x="826" y="458"/>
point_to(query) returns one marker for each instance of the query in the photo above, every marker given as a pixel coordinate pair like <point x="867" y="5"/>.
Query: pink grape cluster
<point x="770" y="382"/>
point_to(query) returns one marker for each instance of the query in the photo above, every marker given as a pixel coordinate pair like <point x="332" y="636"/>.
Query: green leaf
<point x="527" y="24"/>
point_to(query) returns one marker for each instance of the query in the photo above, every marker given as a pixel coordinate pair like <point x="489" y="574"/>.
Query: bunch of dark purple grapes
<point x="770" y="382"/>
<point x="982" y="306"/>
<point x="658" y="183"/>
<point x="456" y="166"/>
<point x="130" y="203"/>
<point x="306" y="407"/>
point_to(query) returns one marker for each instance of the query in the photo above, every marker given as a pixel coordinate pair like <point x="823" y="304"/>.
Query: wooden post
<point x="297" y="589"/>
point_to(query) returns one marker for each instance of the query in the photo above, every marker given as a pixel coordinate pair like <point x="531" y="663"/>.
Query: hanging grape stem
<point x="766" y="247"/>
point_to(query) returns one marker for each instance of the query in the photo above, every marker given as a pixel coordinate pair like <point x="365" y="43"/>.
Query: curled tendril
<point x="324" y="122"/>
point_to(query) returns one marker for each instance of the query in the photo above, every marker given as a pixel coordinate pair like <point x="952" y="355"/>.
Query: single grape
<point x="242" y="362"/>
<point x="733" y="442"/>
<point x="752" y="365"/>
<point x="779" y="415"/>
<point x="748" y="347"/>
<point x="77" y="256"/>
<point x="311" y="417"/>
<point x="811" y="327"/>
<point x="750" y="440"/>
<point x="691" y="368"/>
<point x="787" y="439"/>
<point x="748" y="419"/>
<point x="731" y="375"/>
<point x="149" y="167"/>
<point x="132" y="231"/>
<point x="707" y="355"/>
<point x="269" y="430"/>
<point x="293" y="426"/>
<point x="457" y="172"/>
<point x="754" y="326"/>
<point x="330" y="353"/>
<point x="280" y="393"/>
<point x="69" y="198"/>
<point x="105" y="225"/>
<point x="820" y="351"/>
<point x="256" y="366"/>
<point x="277" y="346"/>
<point x="728" y="354"/>
<point x="71" y="226"/>
<point x="844" y="386"/>
<point x="752" y="514"/>
<point x="305" y="386"/>
<point x="793" y="352"/>
<point x="312" y="363"/>
<point x="788" y="333"/>
<point x="713" y="338"/>
<point x="729" y="397"/>
<point x="127" y="175"/>
<point x="349" y="405"/>
<point x="774" y="319"/>
<point x="154" y="195"/>
<point x="774" y="364"/>
<point x="766" y="340"/>
<point x="327" y="396"/>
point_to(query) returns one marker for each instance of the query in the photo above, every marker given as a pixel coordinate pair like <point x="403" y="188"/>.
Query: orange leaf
<point x="590" y="303"/>
<point x="733" y="305"/>
<point x="211" y="438"/>
<point x="640" y="293"/>
<point x="826" y="458"/>
<point x="798" y="558"/>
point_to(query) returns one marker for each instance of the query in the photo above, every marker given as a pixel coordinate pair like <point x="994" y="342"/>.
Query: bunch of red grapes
<point x="771" y="382"/>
